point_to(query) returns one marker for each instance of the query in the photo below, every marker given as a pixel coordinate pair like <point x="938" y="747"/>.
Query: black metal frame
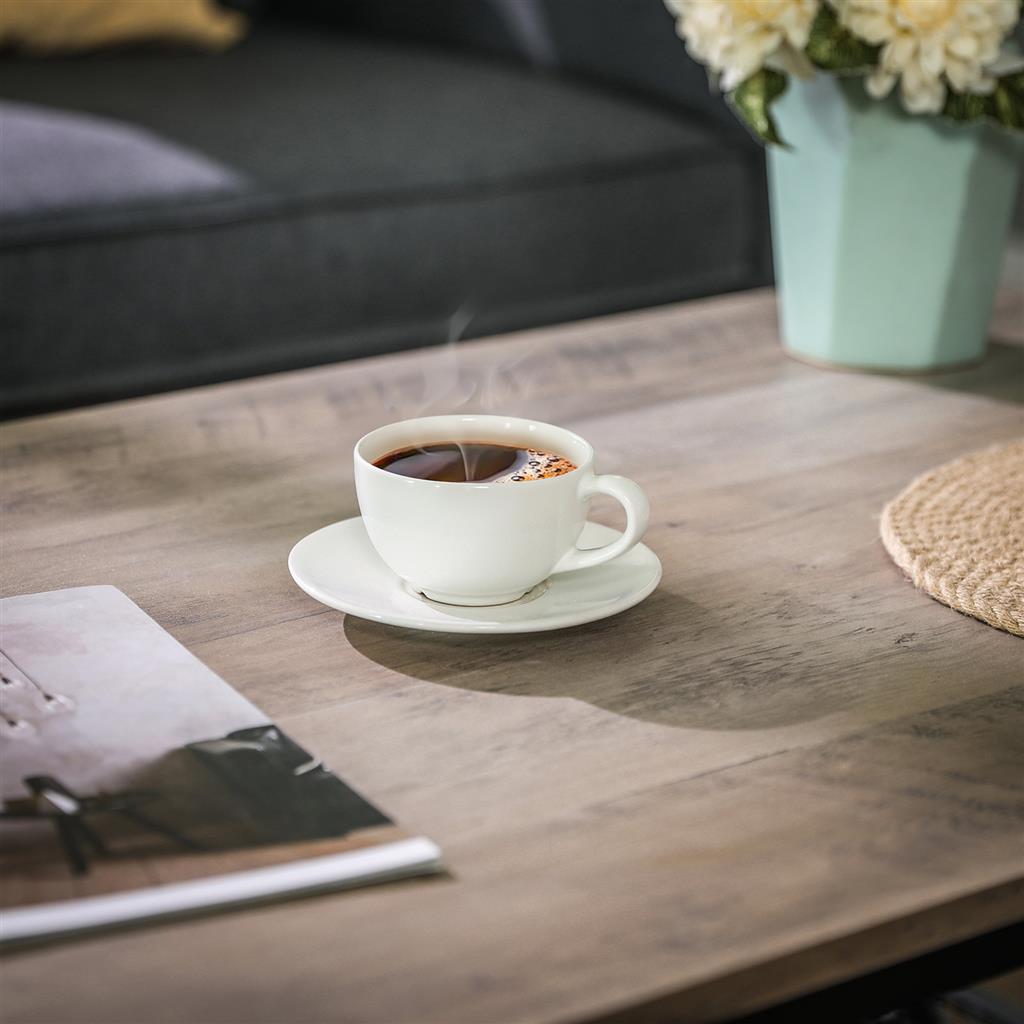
<point x="908" y="984"/>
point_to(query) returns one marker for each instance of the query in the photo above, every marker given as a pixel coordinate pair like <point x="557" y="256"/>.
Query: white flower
<point x="736" y="38"/>
<point x="929" y="44"/>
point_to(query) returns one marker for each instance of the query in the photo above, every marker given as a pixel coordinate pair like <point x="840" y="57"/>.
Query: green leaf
<point x="1003" y="106"/>
<point x="1006" y="111"/>
<point x="752" y="100"/>
<point x="965" y="106"/>
<point x="835" y="48"/>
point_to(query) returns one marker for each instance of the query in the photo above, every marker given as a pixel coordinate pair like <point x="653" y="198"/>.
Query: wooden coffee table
<point x="785" y="769"/>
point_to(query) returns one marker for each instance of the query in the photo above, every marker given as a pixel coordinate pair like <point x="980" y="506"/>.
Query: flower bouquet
<point x="895" y="131"/>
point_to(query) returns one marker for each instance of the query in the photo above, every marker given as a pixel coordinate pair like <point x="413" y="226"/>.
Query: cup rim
<point x="474" y="417"/>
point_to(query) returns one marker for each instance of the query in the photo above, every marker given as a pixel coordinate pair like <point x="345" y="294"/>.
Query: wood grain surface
<point x="785" y="768"/>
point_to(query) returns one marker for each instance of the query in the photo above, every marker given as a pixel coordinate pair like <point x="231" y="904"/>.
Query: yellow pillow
<point x="70" y="26"/>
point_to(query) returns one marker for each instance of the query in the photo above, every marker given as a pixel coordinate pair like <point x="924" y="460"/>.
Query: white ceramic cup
<point x="486" y="543"/>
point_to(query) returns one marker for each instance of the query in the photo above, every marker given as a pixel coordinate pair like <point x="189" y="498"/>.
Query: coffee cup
<point x="486" y="543"/>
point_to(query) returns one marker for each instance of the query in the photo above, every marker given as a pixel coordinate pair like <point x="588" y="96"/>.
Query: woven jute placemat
<point x="958" y="532"/>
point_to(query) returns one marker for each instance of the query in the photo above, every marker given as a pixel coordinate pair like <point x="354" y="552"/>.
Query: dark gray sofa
<point x="346" y="179"/>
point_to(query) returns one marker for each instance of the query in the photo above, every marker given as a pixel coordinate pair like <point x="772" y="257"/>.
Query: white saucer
<point x="339" y="567"/>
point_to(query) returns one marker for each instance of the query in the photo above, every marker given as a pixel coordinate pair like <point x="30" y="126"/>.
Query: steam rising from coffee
<point x="449" y="386"/>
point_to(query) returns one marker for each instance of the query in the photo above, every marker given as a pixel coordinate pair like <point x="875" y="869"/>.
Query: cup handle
<point x="632" y="499"/>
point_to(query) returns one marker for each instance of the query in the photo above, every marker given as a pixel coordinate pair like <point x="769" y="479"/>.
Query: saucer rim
<point x="525" y="625"/>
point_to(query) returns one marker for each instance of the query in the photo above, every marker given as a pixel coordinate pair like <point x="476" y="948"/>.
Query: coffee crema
<point x="477" y="462"/>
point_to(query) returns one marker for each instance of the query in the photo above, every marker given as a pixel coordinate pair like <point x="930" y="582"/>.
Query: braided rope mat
<point x="958" y="533"/>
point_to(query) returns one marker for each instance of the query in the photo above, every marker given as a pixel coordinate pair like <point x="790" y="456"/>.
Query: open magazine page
<point x="135" y="782"/>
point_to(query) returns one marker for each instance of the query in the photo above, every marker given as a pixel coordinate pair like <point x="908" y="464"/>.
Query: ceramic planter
<point x="888" y="230"/>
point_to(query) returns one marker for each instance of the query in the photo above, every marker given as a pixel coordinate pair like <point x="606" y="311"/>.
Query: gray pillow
<point x="54" y="160"/>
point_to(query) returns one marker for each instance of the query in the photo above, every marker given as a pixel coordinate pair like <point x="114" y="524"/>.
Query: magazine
<point x="136" y="783"/>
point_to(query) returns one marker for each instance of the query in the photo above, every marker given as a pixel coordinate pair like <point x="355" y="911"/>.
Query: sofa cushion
<point x="308" y="113"/>
<point x="380" y="187"/>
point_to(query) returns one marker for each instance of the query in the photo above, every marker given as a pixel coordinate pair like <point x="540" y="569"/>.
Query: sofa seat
<point x="370" y="189"/>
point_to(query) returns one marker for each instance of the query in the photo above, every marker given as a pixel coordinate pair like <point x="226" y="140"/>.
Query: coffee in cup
<point x="475" y="462"/>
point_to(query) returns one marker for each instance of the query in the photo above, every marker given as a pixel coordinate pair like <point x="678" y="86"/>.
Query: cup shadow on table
<point x="631" y="665"/>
